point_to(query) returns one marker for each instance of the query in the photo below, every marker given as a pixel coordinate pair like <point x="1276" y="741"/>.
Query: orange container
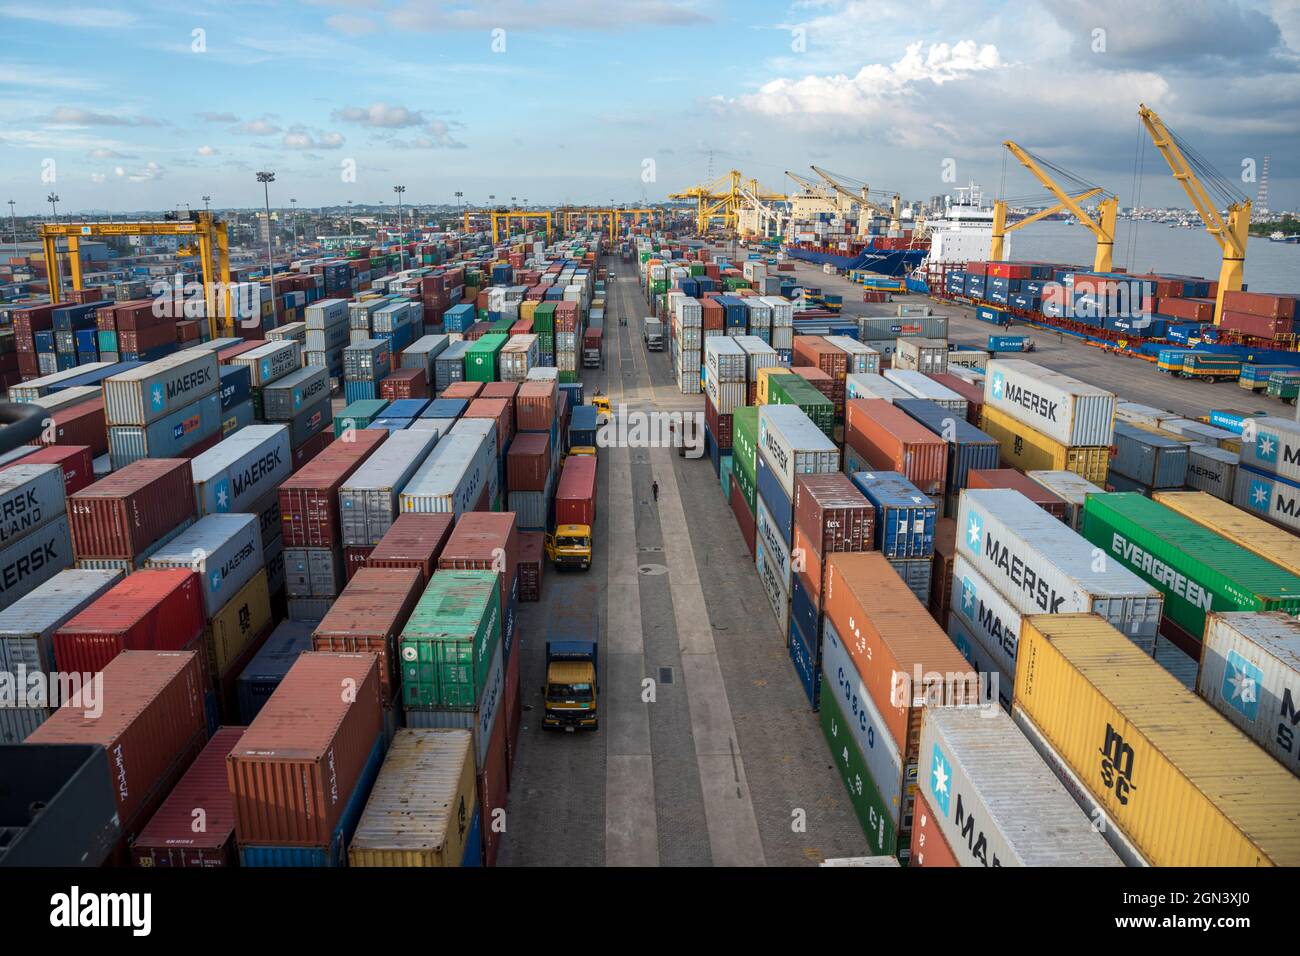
<point x="929" y="848"/>
<point x="891" y="440"/>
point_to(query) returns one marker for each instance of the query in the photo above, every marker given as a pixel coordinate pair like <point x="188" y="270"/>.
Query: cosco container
<point x="1151" y="460"/>
<point x="997" y="803"/>
<point x="792" y="445"/>
<point x="370" y="499"/>
<point x="167" y="437"/>
<point x="1042" y="566"/>
<point x="1030" y="450"/>
<point x="147" y="393"/>
<point x="271" y="361"/>
<point x="888" y="439"/>
<point x="284" y="398"/>
<point x="225" y="551"/>
<point x="242" y="469"/>
<point x="1064" y="409"/>
<point x="1104" y="707"/>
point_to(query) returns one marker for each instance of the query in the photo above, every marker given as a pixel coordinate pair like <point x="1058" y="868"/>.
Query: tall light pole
<point x="293" y="205"/>
<point x="53" y="200"/>
<point x="459" y="206"/>
<point x="349" y="241"/>
<point x="13" y="220"/>
<point x="266" y="178"/>
<point x="401" y="239"/>
<point x="206" y="200"/>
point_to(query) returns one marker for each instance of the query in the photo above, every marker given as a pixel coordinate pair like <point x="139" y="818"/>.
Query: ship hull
<point x="887" y="262"/>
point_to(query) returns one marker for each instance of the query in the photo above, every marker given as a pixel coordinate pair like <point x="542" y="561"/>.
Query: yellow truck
<point x="572" y="685"/>
<point x="569" y="546"/>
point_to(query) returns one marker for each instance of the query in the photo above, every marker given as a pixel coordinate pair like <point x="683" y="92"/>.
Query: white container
<point x="30" y="496"/>
<point x="726" y="396"/>
<point x="268" y="362"/>
<point x="369" y="500"/>
<point x="422" y="352"/>
<point x="1071" y="488"/>
<point x="758" y="354"/>
<point x="27" y="626"/>
<point x="1136" y="414"/>
<point x="225" y="550"/>
<point x="724" y="361"/>
<point x="1269" y="497"/>
<point x="242" y="470"/>
<point x="290" y="394"/>
<point x="1042" y="567"/>
<point x="967" y="358"/>
<point x="1062" y="408"/>
<point x="778" y="598"/>
<point x="778" y="549"/>
<point x="142" y="395"/>
<point x="481" y="428"/>
<point x="34" y="388"/>
<point x="989" y="617"/>
<point x="920" y="385"/>
<point x="1212" y="469"/>
<point x="793" y="445"/>
<point x="870" y="385"/>
<point x="1199" y="431"/>
<point x="921" y="355"/>
<point x="782" y="310"/>
<point x="1276" y="448"/>
<point x="33" y="559"/>
<point x="452" y="477"/>
<point x="862" y="358"/>
<point x="517" y="356"/>
<point x="996" y="802"/>
<point x="67" y="397"/>
<point x="1250" y="673"/>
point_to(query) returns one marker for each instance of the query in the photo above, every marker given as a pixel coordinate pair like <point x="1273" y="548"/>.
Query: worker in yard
<point x="654" y="490"/>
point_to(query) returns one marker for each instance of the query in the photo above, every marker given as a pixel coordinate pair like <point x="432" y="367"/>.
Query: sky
<point x="151" y="105"/>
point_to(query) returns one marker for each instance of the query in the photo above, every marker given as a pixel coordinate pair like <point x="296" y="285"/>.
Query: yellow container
<point x="245" y="616"/>
<point x="422" y="805"/>
<point x="765" y="376"/>
<point x="1183" y="784"/>
<point x="1228" y="521"/>
<point x="1030" y="450"/>
<point x="527" y="309"/>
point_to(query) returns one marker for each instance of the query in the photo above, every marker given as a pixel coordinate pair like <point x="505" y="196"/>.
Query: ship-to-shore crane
<point x="722" y="198"/>
<point x="863" y="200"/>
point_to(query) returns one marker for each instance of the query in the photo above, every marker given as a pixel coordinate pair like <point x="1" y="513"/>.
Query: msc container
<point x="1029" y="450"/>
<point x="1160" y="762"/>
<point x="920" y="385"/>
<point x="792" y="445"/>
<point x="143" y="395"/>
<point x="414" y="541"/>
<point x="271" y="361"/>
<point x="77" y="824"/>
<point x="421" y="811"/>
<point x="452" y="477"/>
<point x="1064" y="409"/>
<point x="33" y="559"/>
<point x="1152" y="460"/>
<point x="242" y="469"/>
<point x="871" y="385"/>
<point x="225" y="551"/>
<point x="921" y="355"/>
<point x="1070" y="488"/>
<point x="997" y="803"/>
<point x="294" y="771"/>
<point x="173" y="836"/>
<point x="1042" y="566"/>
<point x="968" y="447"/>
<point x="244" y="619"/>
<point x="167" y="437"/>
<point x="905" y="518"/>
<point x="151" y="722"/>
<point x="888" y="439"/>
<point x="1010" y="478"/>
<point x="284" y="398"/>
<point x="266" y="670"/>
<point x="30" y="496"/>
<point x="1212" y="469"/>
<point x="368" y="617"/>
<point x="1250" y="673"/>
<point x="449" y="641"/>
<point x="309" y="499"/>
<point x="369" y="500"/>
<point x="1197" y="570"/>
<point x="575" y="493"/>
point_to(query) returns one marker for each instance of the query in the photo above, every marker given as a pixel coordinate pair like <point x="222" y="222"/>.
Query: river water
<point x="1270" y="266"/>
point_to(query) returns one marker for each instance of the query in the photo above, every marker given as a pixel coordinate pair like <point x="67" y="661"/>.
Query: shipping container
<point x="1070" y="488"/>
<point x="370" y="499"/>
<point x="905" y="518"/>
<point x="1029" y="450"/>
<point x="1062" y="408"/>
<point x="74" y="461"/>
<point x="269" y="362"/>
<point x="241" y="469"/>
<point x="833" y="514"/>
<point x="1017" y="481"/>
<point x="452" y="477"/>
<point x="78" y="823"/>
<point x="234" y="631"/>
<point x="1106" y="709"/>
<point x="173" y="436"/>
<point x="31" y="496"/>
<point x="968" y="447"/>
<point x="268" y="666"/>
<point x="33" y="559"/>
<point x="792" y="445"/>
<point x="448" y="643"/>
<point x="1151" y="460"/>
<point x="888" y="439"/>
<point x="922" y="386"/>
<point x="1212" y="469"/>
<point x="121" y="515"/>
<point x="921" y="354"/>
<point x="288" y="395"/>
<point x="1270" y="542"/>
<point x="575" y="494"/>
<point x="414" y="541"/>
<point x="309" y="499"/>
<point x="368" y="617"/>
<point x="147" y="393"/>
<point x="929" y="847"/>
<point x="870" y="385"/>
<point x="224" y="550"/>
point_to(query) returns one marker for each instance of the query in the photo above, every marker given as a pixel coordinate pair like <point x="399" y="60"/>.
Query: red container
<point x="75" y="460"/>
<point x="135" y="315"/>
<point x="974" y="395"/>
<point x="33" y="318"/>
<point x="532" y="563"/>
<point x="152" y="725"/>
<point x="405" y="383"/>
<point x="28" y="365"/>
<point x="309" y="498"/>
<point x="575" y="496"/>
<point x="79" y="424"/>
<point x="719" y="425"/>
<point x="833" y="514"/>
<point x="188" y="331"/>
<point x="744" y="517"/>
<point x="312" y="447"/>
<point x="1189" y="310"/>
<point x="824" y="383"/>
<point x="890" y="440"/>
<point x="170" y="838"/>
<point x="1263" y="304"/>
<point x="499" y="410"/>
<point x="355" y="558"/>
<point x="146" y="338"/>
<point x="145" y="611"/>
<point x="929" y="846"/>
<point x="120" y="515"/>
<point x="1259" y="326"/>
<point x="413" y="541"/>
<point x="512" y="709"/>
<point x="506" y="390"/>
<point x="476" y="332"/>
<point x="977" y="268"/>
<point x="493" y="789"/>
<point x="528" y="462"/>
<point x="945" y="549"/>
<point x="1053" y="504"/>
<point x="369" y="616"/>
<point x="224" y="356"/>
<point x="295" y="768"/>
<point x="813" y="574"/>
<point x="466" y="390"/>
<point x="480" y="541"/>
<point x="535" y="406"/>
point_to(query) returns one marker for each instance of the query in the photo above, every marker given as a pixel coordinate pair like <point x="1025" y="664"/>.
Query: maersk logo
<point x="266" y="368"/>
<point x="969" y="598"/>
<point x="941" y="782"/>
<point x="1241" y="680"/>
<point x="1259" y="494"/>
<point x="974" y="532"/>
<point x="215" y="580"/>
<point x="1266" y="446"/>
<point x="222" y="494"/>
<point x="156" y="397"/>
<point x="997" y="385"/>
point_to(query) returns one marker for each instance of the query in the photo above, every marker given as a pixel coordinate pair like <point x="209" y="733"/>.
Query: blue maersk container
<point x="778" y="505"/>
<point x="904" y="517"/>
<point x="968" y="447"/>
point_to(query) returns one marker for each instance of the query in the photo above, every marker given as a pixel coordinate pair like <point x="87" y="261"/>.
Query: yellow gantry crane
<point x="608" y="219"/>
<point x="522" y="216"/>
<point x="1185" y="163"/>
<point x="722" y="198"/>
<point x="203" y="227"/>
<point x="1103" y="226"/>
<point x="863" y="200"/>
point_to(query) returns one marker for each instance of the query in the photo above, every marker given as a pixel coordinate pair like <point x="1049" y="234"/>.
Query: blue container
<point x="773" y="495"/>
<point x="44" y="340"/>
<point x="406" y="408"/>
<point x="445" y="408"/>
<point x="236" y="387"/>
<point x="168" y="437"/>
<point x="355" y="391"/>
<point x="995" y="316"/>
<point x="583" y="426"/>
<point x="269" y="665"/>
<point x="802" y="609"/>
<point x="1006" y="343"/>
<point x="85" y="358"/>
<point x="233" y="419"/>
<point x="968" y="447"/>
<point x="391" y="424"/>
<point x="1232" y="421"/>
<point x="473" y="852"/>
<point x="915" y="573"/>
<point x="904" y="517"/>
<point x="574" y="391"/>
<point x="70" y="318"/>
<point x="85" y="340"/>
<point x="336" y="853"/>
<point x="806" y="666"/>
<point x="975" y="287"/>
<point x="65" y="361"/>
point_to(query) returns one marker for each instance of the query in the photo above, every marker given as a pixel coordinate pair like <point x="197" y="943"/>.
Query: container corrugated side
<point x="871" y="385"/>
<point x="1270" y="542"/>
<point x="241" y="469"/>
<point x="1071" y="488"/>
<point x="448" y="642"/>
<point x="225" y="551"/>
<point x="30" y="496"/>
<point x="368" y="617"/>
<point x="370" y="500"/>
<point x="1064" y="409"/>
<point x="1212" y="469"/>
<point x="268" y="362"/>
<point x="1149" y="459"/>
<point x="27" y="626"/>
<point x="1162" y="763"/>
<point x="1276" y="448"/>
<point x="288" y="395"/>
<point x="422" y="806"/>
<point x="142" y="395"/>
<point x="793" y="445"/>
<point x="920" y="385"/>
<point x="996" y="801"/>
<point x="32" y="560"/>
<point x="1030" y="450"/>
<point x="988" y="616"/>
<point x="167" y="437"/>
<point x="125" y="512"/>
<point x="451" y="478"/>
<point x="1041" y="566"/>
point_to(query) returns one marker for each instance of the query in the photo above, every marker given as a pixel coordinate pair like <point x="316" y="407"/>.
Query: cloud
<point x="206" y="150"/>
<point x="88" y="18"/>
<point x="437" y="135"/>
<point x="43" y="75"/>
<point x="380" y="116"/>
<point x="147" y="173"/>
<point x="526" y="15"/>
<point x="351" y="25"/>
<point x="257" y="127"/>
<point x="218" y="117"/>
<point x="105" y="153"/>
<point x="97" y="177"/>
<point x="70" y="116"/>
<point x="299" y="137"/>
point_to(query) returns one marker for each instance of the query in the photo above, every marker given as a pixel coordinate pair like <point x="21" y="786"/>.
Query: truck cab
<point x="569" y="546"/>
<point x="653" y="333"/>
<point x="570" y="693"/>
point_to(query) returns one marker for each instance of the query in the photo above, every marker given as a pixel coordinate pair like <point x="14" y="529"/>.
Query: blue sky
<point x="149" y="104"/>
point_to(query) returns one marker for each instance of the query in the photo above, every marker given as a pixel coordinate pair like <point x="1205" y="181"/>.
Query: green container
<point x="503" y="326"/>
<point x="697" y="269"/>
<point x="481" y="357"/>
<point x="658" y="285"/>
<point x="448" y="643"/>
<point x="546" y="342"/>
<point x="744" y="436"/>
<point x="482" y="315"/>
<point x="870" y="807"/>
<point x="1195" y="569"/>
<point x="746" y="482"/>
<point x="568" y="378"/>
<point x="795" y="390"/>
<point x="544" y="318"/>
<point x="359" y="414"/>
<point x="107" y="341"/>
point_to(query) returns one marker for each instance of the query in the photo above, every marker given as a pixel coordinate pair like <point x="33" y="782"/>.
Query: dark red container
<point x="123" y="513"/>
<point x="499" y="410"/>
<point x="145" y="339"/>
<point x="744" y="517"/>
<point x="413" y="541"/>
<point x="79" y="424"/>
<point x="535" y="406"/>
<point x="170" y="839"/>
<point x="480" y="541"/>
<point x="528" y="462"/>
<point x="152" y="725"/>
<point x="137" y="314"/>
<point x="75" y="460"/>
<point x="151" y="610"/>
<point x="512" y="710"/>
<point x="712" y="315"/>
<point x="575" y="496"/>
<point x="506" y="390"/>
<point x="532" y="564"/>
<point x="405" y="383"/>
<point x="833" y="514"/>
<point x="1263" y="327"/>
<point x="225" y="355"/>
<point x="1263" y="304"/>
<point x="33" y="318"/>
<point x="1189" y="310"/>
<point x="1053" y="504"/>
<point x="945" y="549"/>
<point x="354" y="559"/>
<point x="466" y="390"/>
<point x="368" y="617"/>
<point x="309" y="498"/>
<point x="719" y="425"/>
<point x="974" y="395"/>
<point x="493" y="790"/>
<point x="312" y="447"/>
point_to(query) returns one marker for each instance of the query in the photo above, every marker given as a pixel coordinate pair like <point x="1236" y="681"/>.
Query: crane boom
<point x="864" y="201"/>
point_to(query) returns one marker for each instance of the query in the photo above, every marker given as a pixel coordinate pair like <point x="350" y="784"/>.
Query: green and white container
<point x="447" y="645"/>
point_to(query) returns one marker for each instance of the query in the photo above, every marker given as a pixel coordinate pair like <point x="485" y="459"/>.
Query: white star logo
<point x="1261" y="494"/>
<point x="222" y="498"/>
<point x="1266" y="446"/>
<point x="216" y="580"/>
<point x="997" y="386"/>
<point x="968" y="596"/>
<point x="973" y="533"/>
<point x="157" y="395"/>
<point x="940" y="779"/>
<point x="1243" y="687"/>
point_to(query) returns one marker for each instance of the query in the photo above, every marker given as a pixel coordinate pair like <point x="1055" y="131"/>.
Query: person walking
<point x="654" y="490"/>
